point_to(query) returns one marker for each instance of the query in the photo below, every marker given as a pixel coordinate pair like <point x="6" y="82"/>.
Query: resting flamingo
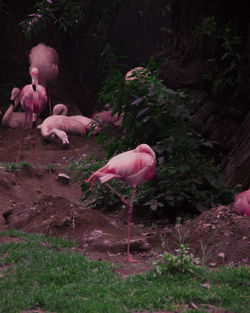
<point x="13" y="119"/>
<point x="106" y="117"/>
<point x="61" y="125"/>
<point x="242" y="203"/>
<point x="45" y="59"/>
<point x="137" y="73"/>
<point x="33" y="102"/>
<point x="131" y="167"/>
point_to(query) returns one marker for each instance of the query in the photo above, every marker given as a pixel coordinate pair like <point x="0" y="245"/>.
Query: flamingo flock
<point x="132" y="167"/>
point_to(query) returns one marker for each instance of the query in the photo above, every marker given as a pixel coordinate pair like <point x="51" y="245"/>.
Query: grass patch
<point x="11" y="167"/>
<point x="44" y="272"/>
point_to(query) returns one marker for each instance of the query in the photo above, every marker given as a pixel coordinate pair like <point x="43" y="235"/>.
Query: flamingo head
<point x="34" y="76"/>
<point x="146" y="149"/>
<point x="14" y="99"/>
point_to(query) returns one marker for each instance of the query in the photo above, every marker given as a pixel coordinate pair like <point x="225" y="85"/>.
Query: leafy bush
<point x="152" y="113"/>
<point x="186" y="180"/>
<point x="182" y="260"/>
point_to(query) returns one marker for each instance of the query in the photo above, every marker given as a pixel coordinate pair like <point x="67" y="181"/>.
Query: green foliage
<point x="225" y="66"/>
<point x="154" y="114"/>
<point x="51" y="168"/>
<point x="64" y="15"/>
<point x="182" y="260"/>
<point x="11" y="167"/>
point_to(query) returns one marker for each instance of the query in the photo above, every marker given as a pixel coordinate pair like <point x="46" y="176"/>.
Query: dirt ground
<point x="35" y="200"/>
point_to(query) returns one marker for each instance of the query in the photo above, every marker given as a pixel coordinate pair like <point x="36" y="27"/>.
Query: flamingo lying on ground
<point x="242" y="203"/>
<point x="33" y="100"/>
<point x="45" y="59"/>
<point x="106" y="117"/>
<point x="137" y="73"/>
<point x="131" y="167"/>
<point x="60" y="125"/>
<point x="13" y="119"/>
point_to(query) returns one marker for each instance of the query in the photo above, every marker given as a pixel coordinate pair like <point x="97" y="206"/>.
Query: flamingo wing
<point x="131" y="167"/>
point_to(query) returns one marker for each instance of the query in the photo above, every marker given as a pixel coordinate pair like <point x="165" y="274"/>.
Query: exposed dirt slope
<point x="34" y="200"/>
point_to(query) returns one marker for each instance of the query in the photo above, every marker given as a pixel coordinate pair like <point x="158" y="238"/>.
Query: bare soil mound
<point x="34" y="200"/>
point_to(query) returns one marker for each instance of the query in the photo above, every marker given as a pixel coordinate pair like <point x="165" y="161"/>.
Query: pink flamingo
<point x="45" y="60"/>
<point x="33" y="99"/>
<point x="137" y="73"/>
<point x="242" y="203"/>
<point x="60" y="125"/>
<point x="105" y="117"/>
<point x="131" y="167"/>
<point x="13" y="119"/>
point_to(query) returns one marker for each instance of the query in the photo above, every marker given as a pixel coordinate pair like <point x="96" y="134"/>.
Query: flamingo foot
<point x="129" y="259"/>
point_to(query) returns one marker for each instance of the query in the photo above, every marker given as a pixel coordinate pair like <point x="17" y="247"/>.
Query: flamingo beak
<point x="34" y="87"/>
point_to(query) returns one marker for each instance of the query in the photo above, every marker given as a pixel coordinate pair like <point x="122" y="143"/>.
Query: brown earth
<point x="35" y="200"/>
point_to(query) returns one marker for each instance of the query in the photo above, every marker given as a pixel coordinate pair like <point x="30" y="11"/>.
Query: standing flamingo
<point x="59" y="124"/>
<point x="13" y="119"/>
<point x="242" y="203"/>
<point x="131" y="167"/>
<point x="45" y="59"/>
<point x="33" y="101"/>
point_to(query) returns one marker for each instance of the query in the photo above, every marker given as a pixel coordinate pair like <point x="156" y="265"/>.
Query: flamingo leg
<point x="34" y="135"/>
<point x="117" y="193"/>
<point x="50" y="106"/>
<point x="130" y="210"/>
<point x="21" y="140"/>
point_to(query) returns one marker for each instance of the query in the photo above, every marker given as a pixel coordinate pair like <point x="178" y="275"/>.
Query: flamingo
<point x="33" y="100"/>
<point x="59" y="124"/>
<point x="131" y="167"/>
<point x="105" y="117"/>
<point x="45" y="59"/>
<point x="137" y="73"/>
<point x="13" y="119"/>
<point x="242" y="203"/>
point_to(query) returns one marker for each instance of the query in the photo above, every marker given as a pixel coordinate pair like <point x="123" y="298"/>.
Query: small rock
<point x="63" y="178"/>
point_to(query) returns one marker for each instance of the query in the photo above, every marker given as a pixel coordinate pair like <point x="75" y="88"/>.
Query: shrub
<point x="186" y="180"/>
<point x="185" y="177"/>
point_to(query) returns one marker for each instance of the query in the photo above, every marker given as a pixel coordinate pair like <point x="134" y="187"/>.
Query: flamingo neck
<point x="60" y="109"/>
<point x="34" y="77"/>
<point x="17" y="99"/>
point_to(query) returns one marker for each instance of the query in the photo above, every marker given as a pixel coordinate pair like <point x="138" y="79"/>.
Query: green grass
<point x="38" y="271"/>
<point x="11" y="167"/>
